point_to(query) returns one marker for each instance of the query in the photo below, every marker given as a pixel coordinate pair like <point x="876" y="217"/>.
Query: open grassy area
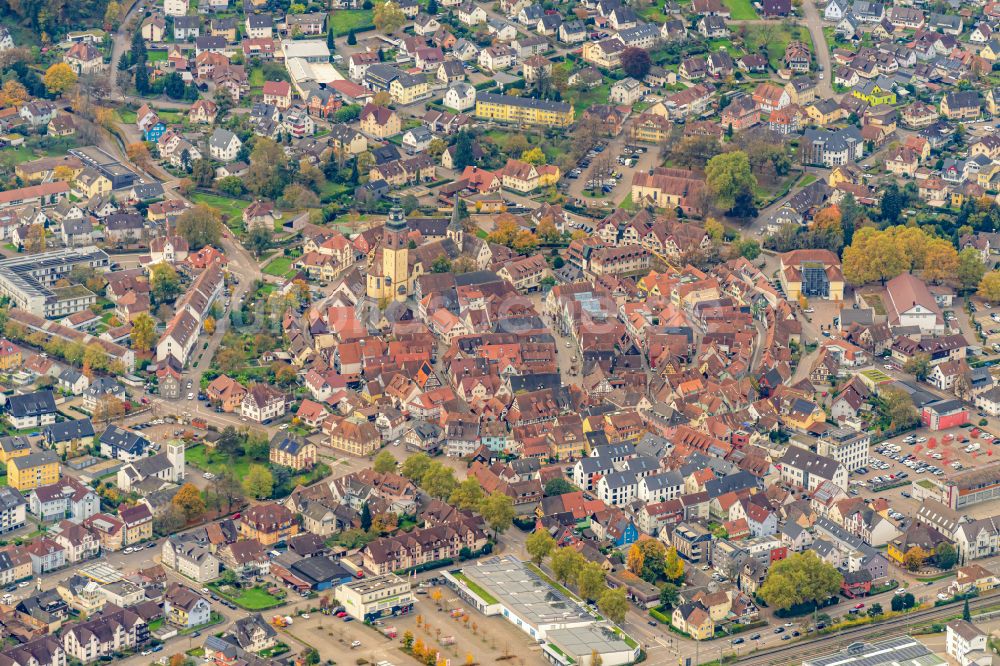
<point x="279" y="267"/>
<point x="252" y="599"/>
<point x="344" y="20"/>
<point x="127" y="116"/>
<point x="741" y="10"/>
<point x="156" y="56"/>
<point x="653" y="14"/>
<point x="776" y="38"/>
<point x="231" y="209"/>
<point x="584" y="99"/>
<point x="480" y="592"/>
<point x="209" y="461"/>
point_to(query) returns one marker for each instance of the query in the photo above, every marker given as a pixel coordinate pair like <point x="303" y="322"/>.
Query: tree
<point x="415" y="467"/>
<point x="613" y="604"/>
<point x="966" y="613"/>
<point x="259" y="482"/>
<point x="168" y="521"/>
<point x="945" y="556"/>
<point x="669" y="594"/>
<point x="635" y="560"/>
<point x="595" y="658"/>
<point x="143" y="332"/>
<point x="673" y="566"/>
<point x="464" y="152"/>
<point x="539" y="545"/>
<point x="439" y="481"/>
<point x="59" y="78"/>
<point x="498" y="511"/>
<point x="351" y="38"/>
<point x="534" y="156"/>
<point x="13" y="93"/>
<point x="558" y="486"/>
<point x="873" y="255"/>
<point x="591" y="581"/>
<point x="209" y="326"/>
<point x="173" y="86"/>
<point x="330" y="43"/>
<point x="875" y="610"/>
<point x="913" y="559"/>
<point x="34" y="241"/>
<point x="899" y="409"/>
<point x="259" y="238"/>
<point x="566" y="563"/>
<point x="970" y="268"/>
<point x="636" y="62"/>
<point x="467" y="495"/>
<point x="727" y="175"/>
<point x="138" y="153"/>
<point x="384" y="463"/>
<point x="388" y="17"/>
<point x="141" y="78"/>
<point x="269" y="169"/>
<point x="164" y="282"/>
<point x="918" y="365"/>
<point x="366" y="517"/>
<point x="382" y="98"/>
<point x="200" y="225"/>
<point x="989" y="287"/>
<point x="203" y="173"/>
<point x="901" y="602"/>
<point x="749" y="248"/>
<point x="801" y="578"/>
<point x="189" y="500"/>
<point x="940" y="261"/>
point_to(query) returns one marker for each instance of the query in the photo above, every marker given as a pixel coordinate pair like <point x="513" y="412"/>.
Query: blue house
<point x="154" y="132"/>
<point x="618" y="528"/>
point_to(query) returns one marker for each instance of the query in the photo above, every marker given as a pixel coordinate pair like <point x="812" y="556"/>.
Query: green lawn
<point x="209" y="461"/>
<point x="653" y="14"/>
<point x="776" y="39"/>
<point x="584" y="99"/>
<point x="741" y="10"/>
<point x="127" y="115"/>
<point x="252" y="599"/>
<point x="480" y="592"/>
<point x="231" y="208"/>
<point x="344" y="20"/>
<point x="156" y="56"/>
<point x="256" y="80"/>
<point x="279" y="267"/>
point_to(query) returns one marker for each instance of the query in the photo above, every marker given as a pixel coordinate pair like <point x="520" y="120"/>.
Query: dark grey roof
<point x="31" y="404"/>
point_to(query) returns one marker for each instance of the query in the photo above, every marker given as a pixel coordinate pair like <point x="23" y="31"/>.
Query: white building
<point x="223" y="145"/>
<point x="618" y="488"/>
<point x="460" y="96"/>
<point x="966" y="643"/>
<point x="369" y="599"/>
<point x="805" y="469"/>
<point x="847" y="446"/>
<point x="262" y="404"/>
<point x="175" y="7"/>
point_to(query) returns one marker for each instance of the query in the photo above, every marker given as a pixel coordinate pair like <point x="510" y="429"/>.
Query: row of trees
<point x="881" y="255"/>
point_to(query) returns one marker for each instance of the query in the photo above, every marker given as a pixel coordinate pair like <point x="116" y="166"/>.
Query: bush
<point x="659" y="615"/>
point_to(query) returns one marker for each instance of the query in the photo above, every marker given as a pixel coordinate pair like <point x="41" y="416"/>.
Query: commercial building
<point x="372" y="598"/>
<point x="507" y="109"/>
<point x="972" y="486"/>
<point x="29" y="280"/>
<point x="847" y="446"/>
<point x="811" y="273"/>
<point x="944" y="414"/>
<point x="897" y="650"/>
<point x="568" y="634"/>
<point x="120" y="177"/>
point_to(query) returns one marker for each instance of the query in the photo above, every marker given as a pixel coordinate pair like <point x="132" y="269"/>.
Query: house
<point x="278" y="93"/>
<point x="268" y="524"/>
<point x="967" y="643"/>
<point x="627" y="91"/>
<point x="226" y="393"/>
<point x="252" y="633"/>
<point x="808" y="470"/>
<point x="185" y="608"/>
<point x="379" y="121"/>
<point x="262" y="403"/>
<point x="223" y="145"/>
<point x="31" y="410"/>
<point x="68" y="498"/>
<point x="694" y="620"/>
<point x="137" y="522"/>
<point x="460" y="96"/>
<point x="962" y="105"/>
<point x="292" y="451"/>
<point x="121" y="444"/>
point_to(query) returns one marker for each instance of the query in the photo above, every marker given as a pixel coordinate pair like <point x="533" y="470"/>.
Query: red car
<point x="859" y="607"/>
<point x="342" y="614"/>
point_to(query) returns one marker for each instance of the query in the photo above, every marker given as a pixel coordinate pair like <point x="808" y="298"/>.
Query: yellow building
<point x="268" y="523"/>
<point x="138" y="522"/>
<point x="818" y="270"/>
<point x="10" y="356"/>
<point x="391" y="278"/>
<point x="874" y="94"/>
<point x="694" y="620"/>
<point x="14" y="447"/>
<point x="825" y="112"/>
<point x="407" y="89"/>
<point x="507" y="109"/>
<point x="357" y="439"/>
<point x="33" y="470"/>
<point x="292" y="451"/>
<point x="90" y="183"/>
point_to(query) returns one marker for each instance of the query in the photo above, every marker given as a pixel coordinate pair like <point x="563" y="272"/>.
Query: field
<point x="344" y="20"/>
<point x="279" y="267"/>
<point x="252" y="599"/>
<point x="156" y="56"/>
<point x="200" y="457"/>
<point x="776" y="38"/>
<point x="741" y="10"/>
<point x="231" y="209"/>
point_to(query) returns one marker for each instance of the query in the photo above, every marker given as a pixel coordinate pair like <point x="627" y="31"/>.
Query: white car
<point x="283" y="426"/>
<point x="190" y="396"/>
<point x="305" y="616"/>
<point x="355" y="644"/>
<point x="887" y="366"/>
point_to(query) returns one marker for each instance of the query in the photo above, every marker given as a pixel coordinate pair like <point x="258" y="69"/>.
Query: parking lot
<point x="919" y="456"/>
<point x="486" y="639"/>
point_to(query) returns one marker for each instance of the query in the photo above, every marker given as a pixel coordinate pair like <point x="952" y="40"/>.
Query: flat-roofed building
<point x="369" y="599"/>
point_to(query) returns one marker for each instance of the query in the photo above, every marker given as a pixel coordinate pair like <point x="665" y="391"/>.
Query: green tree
<point x="919" y="365"/>
<point x="464" y="153"/>
<point x="966" y="613"/>
<point x="539" y="545"/>
<point x="613" y="604"/>
<point x="669" y="595"/>
<point x="945" y="556"/>
<point x="164" y="283"/>
<point x="591" y="581"/>
<point x="558" y="486"/>
<point x="384" y="463"/>
<point x="258" y="239"/>
<point x="565" y="564"/>
<point x="259" y="482"/>
<point x="330" y="39"/>
<point x="897" y="406"/>
<point x="439" y="481"/>
<point x="801" y="578"/>
<point x="415" y="467"/>
<point x="498" y="511"/>
<point x="200" y="225"/>
<point x="875" y="610"/>
<point x="971" y="268"/>
<point x="467" y="495"/>
<point x="441" y="265"/>
<point x="352" y="40"/>
<point x="727" y="175"/>
<point x="366" y="517"/>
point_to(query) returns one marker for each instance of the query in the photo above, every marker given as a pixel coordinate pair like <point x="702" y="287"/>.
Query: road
<point x="821" y="49"/>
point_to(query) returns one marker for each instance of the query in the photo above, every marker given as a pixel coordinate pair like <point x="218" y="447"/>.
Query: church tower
<point x="396" y="255"/>
<point x="455" y="231"/>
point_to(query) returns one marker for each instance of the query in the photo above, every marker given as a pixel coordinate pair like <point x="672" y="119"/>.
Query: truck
<point x="278" y="621"/>
<point x="458" y="612"/>
<point x="199" y="422"/>
<point x="390" y="632"/>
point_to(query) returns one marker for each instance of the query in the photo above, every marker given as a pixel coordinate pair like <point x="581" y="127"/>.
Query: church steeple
<point x="455" y="231"/>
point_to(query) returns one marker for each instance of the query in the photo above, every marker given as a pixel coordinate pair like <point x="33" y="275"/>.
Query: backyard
<point x="775" y="38"/>
<point x="343" y="21"/>
<point x="280" y="267"/>
<point x="741" y="10"/>
<point x="231" y="209"/>
<point x="250" y="598"/>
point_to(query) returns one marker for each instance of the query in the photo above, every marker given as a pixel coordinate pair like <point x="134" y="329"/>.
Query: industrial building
<point x="29" y="280"/>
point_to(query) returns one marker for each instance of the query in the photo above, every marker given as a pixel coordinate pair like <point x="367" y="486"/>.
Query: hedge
<point x="657" y="614"/>
<point x="426" y="566"/>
